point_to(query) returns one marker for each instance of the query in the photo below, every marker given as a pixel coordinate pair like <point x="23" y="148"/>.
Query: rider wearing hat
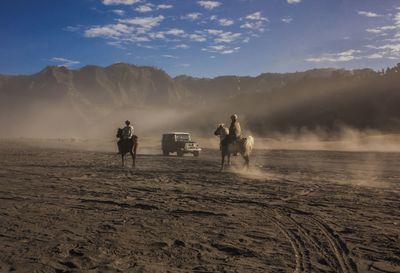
<point x="235" y="132"/>
<point x="127" y="131"/>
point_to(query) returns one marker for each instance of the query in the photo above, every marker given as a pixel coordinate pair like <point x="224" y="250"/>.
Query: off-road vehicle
<point x="178" y="142"/>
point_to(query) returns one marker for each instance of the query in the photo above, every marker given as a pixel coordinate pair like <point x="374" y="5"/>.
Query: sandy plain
<point x="76" y="210"/>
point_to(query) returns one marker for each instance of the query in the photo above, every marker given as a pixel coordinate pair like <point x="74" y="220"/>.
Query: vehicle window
<point x="183" y="137"/>
<point x="168" y="137"/>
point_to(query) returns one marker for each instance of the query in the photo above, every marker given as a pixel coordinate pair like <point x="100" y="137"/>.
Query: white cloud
<point x="73" y="28"/>
<point x="397" y="19"/>
<point x="108" y="31"/>
<point x="169" y="56"/>
<point x="381" y="29"/>
<point x="119" y="12"/>
<point x="209" y="4"/>
<point x="146" y="46"/>
<point x="375" y="56"/>
<point x="197" y="38"/>
<point x="254" y="21"/>
<point x="221" y="49"/>
<point x="287" y="20"/>
<point x="117" y="32"/>
<point x="171" y="32"/>
<point x="64" y="62"/>
<point x="217" y="47"/>
<point x="220" y="36"/>
<point x="256" y="16"/>
<point x="163" y="6"/>
<point x="213" y="17"/>
<point x="175" y="32"/>
<point x="214" y="31"/>
<point x="368" y="14"/>
<point x="389" y="27"/>
<point x="144" y="8"/>
<point x="230" y="51"/>
<point x="388" y="51"/>
<point x="225" y="22"/>
<point x="395" y="48"/>
<point x="145" y="22"/>
<point x="120" y="2"/>
<point x="141" y="30"/>
<point x="181" y="46"/>
<point x="344" y="56"/>
<point x="227" y="37"/>
<point x="373" y="30"/>
<point x="388" y="48"/>
<point x="293" y="1"/>
<point x="259" y="25"/>
<point x="192" y="16"/>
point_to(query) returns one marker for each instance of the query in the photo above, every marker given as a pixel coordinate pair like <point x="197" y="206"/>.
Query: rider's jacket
<point x="127" y="132"/>
<point x="234" y="130"/>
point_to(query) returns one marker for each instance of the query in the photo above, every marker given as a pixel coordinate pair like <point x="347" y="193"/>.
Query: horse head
<point x="219" y="130"/>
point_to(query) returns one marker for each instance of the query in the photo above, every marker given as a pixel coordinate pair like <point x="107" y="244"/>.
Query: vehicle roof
<point x="176" y="133"/>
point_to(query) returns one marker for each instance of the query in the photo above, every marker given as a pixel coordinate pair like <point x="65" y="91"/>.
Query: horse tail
<point x="248" y="145"/>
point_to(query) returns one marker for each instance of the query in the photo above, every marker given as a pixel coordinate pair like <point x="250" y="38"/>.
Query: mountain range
<point x="65" y="101"/>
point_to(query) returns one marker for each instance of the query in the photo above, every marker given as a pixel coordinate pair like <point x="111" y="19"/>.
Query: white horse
<point x="244" y="146"/>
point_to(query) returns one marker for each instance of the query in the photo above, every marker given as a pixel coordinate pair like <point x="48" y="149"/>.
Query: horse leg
<point x="134" y="155"/>
<point x="123" y="160"/>
<point x="229" y="159"/>
<point x="247" y="162"/>
<point x="222" y="161"/>
<point x="133" y="159"/>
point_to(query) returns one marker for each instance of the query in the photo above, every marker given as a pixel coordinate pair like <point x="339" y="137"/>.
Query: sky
<point x="202" y="38"/>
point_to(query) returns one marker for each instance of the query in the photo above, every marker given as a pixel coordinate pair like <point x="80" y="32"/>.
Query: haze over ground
<point x="88" y="86"/>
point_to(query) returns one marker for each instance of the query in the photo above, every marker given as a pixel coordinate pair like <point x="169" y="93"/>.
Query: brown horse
<point x="127" y="146"/>
<point x="244" y="146"/>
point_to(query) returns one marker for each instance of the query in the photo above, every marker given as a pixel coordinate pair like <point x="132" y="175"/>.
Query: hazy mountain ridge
<point x="269" y="102"/>
<point x="229" y="86"/>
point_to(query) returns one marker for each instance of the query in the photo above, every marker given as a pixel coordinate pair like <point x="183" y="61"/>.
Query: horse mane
<point x="119" y="133"/>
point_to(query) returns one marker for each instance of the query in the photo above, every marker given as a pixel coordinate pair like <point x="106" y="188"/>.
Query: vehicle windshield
<point x="183" y="137"/>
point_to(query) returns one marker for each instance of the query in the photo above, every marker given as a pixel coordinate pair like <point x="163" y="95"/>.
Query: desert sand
<point x="73" y="210"/>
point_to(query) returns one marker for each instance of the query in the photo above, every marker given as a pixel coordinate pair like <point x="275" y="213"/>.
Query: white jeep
<point x="179" y="142"/>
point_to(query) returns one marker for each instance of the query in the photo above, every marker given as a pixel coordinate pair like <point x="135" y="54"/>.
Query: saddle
<point x="237" y="143"/>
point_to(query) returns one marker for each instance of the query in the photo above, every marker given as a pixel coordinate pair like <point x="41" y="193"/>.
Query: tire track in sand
<point x="307" y="241"/>
<point x="309" y="237"/>
<point x="303" y="264"/>
<point x="338" y="246"/>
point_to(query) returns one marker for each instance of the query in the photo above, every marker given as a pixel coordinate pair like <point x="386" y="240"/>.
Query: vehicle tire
<point x="179" y="153"/>
<point x="166" y="153"/>
<point x="196" y="154"/>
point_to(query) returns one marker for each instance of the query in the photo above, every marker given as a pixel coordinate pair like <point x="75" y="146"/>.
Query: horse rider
<point x="235" y="131"/>
<point x="127" y="133"/>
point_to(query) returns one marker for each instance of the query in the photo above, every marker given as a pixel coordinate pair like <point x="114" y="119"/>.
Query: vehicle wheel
<point x="196" y="154"/>
<point x="165" y="153"/>
<point x="179" y="153"/>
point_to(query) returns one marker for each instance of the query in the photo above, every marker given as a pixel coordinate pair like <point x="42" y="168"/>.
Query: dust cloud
<point x="346" y="139"/>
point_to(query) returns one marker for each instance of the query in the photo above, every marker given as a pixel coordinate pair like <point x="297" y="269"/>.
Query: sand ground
<point x="71" y="210"/>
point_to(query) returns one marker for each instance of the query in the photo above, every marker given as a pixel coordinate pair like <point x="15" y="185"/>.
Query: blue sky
<point x="200" y="37"/>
